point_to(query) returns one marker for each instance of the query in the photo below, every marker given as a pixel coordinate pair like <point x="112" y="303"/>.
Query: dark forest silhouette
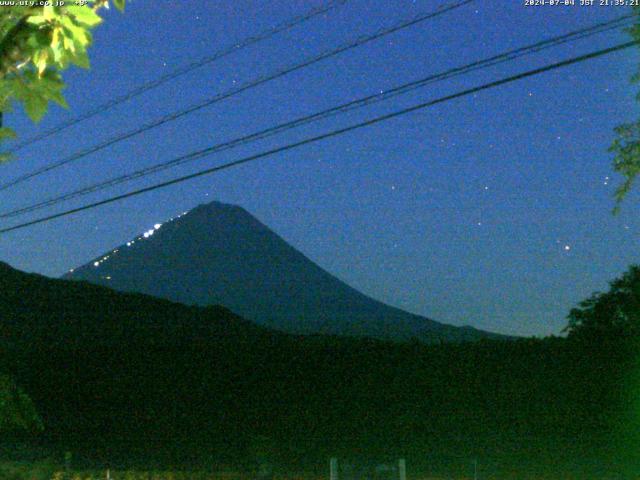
<point x="127" y="378"/>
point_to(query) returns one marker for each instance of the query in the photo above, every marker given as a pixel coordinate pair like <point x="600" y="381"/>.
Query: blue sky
<point x="492" y="210"/>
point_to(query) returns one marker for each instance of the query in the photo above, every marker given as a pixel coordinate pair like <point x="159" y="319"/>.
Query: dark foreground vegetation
<point x="129" y="381"/>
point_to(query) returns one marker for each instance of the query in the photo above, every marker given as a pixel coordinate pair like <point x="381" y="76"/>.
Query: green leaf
<point x="80" y="58"/>
<point x="35" y="106"/>
<point x="76" y="33"/>
<point x="85" y="15"/>
<point x="50" y="87"/>
<point x="48" y="12"/>
<point x="37" y="19"/>
<point x="40" y="60"/>
<point x="53" y="38"/>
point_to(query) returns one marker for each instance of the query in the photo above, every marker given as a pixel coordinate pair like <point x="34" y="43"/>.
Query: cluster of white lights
<point x="103" y="259"/>
<point x="146" y="234"/>
<point x="179" y="216"/>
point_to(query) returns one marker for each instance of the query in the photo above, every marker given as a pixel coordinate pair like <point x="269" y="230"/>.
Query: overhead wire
<point x="178" y="72"/>
<point x="503" y="57"/>
<point x="330" y="134"/>
<point x="362" y="40"/>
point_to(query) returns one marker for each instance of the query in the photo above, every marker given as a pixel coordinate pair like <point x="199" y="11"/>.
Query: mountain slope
<point x="220" y="254"/>
<point x="36" y="310"/>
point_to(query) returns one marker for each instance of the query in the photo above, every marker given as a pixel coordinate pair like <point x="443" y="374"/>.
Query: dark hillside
<point x="125" y="378"/>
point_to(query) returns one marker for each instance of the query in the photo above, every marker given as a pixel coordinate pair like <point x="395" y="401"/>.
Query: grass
<point x="51" y="471"/>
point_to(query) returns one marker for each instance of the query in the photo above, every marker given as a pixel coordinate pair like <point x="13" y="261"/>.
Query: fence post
<point x="402" y="469"/>
<point x="333" y="469"/>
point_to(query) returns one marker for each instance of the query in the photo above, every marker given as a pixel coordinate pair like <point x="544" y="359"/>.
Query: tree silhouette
<point x="615" y="313"/>
<point x="626" y="145"/>
<point x="17" y="412"/>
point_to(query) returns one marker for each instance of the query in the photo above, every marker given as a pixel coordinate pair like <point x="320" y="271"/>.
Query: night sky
<point x="492" y="210"/>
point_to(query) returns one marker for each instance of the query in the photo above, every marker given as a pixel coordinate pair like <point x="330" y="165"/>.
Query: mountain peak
<point x="220" y="254"/>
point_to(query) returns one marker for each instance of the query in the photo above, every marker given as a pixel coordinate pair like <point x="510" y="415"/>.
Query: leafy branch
<point x="37" y="44"/>
<point x="626" y="145"/>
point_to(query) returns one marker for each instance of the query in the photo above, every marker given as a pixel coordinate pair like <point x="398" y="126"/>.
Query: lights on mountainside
<point x="179" y="216"/>
<point x="147" y="234"/>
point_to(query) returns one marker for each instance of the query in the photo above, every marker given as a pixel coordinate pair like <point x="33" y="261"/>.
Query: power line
<point x="235" y="91"/>
<point x="361" y="102"/>
<point x="330" y="134"/>
<point x="145" y="87"/>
